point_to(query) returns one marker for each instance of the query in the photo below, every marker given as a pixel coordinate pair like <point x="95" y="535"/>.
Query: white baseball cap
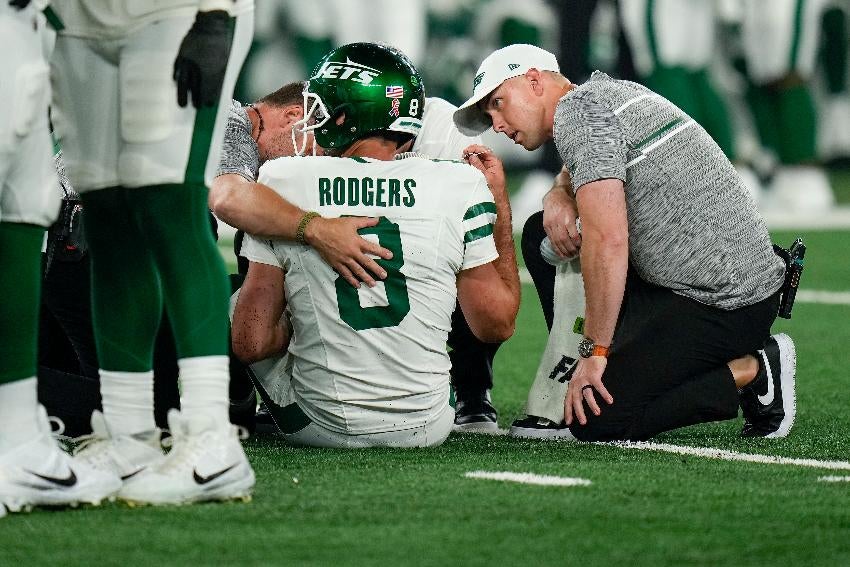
<point x="499" y="66"/>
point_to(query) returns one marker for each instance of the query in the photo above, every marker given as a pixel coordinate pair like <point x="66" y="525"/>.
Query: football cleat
<point x="476" y="414"/>
<point x="206" y="462"/>
<point x="124" y="456"/>
<point x="265" y="421"/>
<point x="533" y="427"/>
<point x="768" y="402"/>
<point x="39" y="473"/>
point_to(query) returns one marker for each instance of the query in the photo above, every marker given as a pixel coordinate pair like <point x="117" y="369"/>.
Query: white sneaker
<point x="206" y="462"/>
<point x="39" y="473"/>
<point x="123" y="456"/>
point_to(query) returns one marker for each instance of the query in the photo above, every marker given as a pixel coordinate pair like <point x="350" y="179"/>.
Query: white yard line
<point x="803" y="295"/>
<point x="834" y="479"/>
<point x="725" y="455"/>
<point x="825" y="297"/>
<point x="528" y="478"/>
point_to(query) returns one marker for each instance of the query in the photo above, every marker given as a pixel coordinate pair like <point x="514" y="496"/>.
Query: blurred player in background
<point x="367" y="366"/>
<point x="33" y="469"/>
<point x="141" y="155"/>
<point x="781" y="40"/>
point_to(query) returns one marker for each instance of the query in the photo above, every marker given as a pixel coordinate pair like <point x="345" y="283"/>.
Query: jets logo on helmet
<point x="358" y="90"/>
<point x="349" y="70"/>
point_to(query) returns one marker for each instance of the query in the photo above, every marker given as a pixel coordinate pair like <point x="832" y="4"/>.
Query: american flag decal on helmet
<point x="395" y="91"/>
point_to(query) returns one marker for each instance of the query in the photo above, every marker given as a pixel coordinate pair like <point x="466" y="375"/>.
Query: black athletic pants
<point x="68" y="384"/>
<point x="472" y="359"/>
<point x="667" y="365"/>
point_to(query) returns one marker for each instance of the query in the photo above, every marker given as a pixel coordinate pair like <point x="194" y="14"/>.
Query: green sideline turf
<point x="414" y="507"/>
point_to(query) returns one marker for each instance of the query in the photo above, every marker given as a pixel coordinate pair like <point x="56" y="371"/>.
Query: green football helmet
<point x="374" y="85"/>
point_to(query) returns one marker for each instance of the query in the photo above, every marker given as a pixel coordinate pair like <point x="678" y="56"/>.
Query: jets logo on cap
<point x="477" y="80"/>
<point x="512" y="66"/>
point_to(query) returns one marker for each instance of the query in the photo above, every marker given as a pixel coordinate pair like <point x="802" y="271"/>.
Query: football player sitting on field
<point x="367" y="366"/>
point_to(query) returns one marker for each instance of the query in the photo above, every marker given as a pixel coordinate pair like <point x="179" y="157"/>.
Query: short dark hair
<point x="286" y="95"/>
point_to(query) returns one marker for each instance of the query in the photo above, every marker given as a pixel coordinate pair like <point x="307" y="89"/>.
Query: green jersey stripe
<point x="650" y="33"/>
<point x="479" y="209"/>
<point x="795" y="39"/>
<point x="202" y="133"/>
<point x="658" y="133"/>
<point x="476" y="233"/>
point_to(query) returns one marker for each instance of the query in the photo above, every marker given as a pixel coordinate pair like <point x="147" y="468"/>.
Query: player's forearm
<point x="604" y="264"/>
<point x="255" y="337"/>
<point x="506" y="264"/>
<point x="255" y="208"/>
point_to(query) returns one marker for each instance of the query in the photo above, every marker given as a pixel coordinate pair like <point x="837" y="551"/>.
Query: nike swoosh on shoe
<point x="767" y="398"/>
<point x="66" y="482"/>
<point x="207" y="479"/>
<point x="132" y="474"/>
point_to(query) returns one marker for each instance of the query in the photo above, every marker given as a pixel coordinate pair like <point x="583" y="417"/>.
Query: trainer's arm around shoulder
<point x="259" y="329"/>
<point x="489" y="294"/>
<point x="258" y="209"/>
<point x="253" y="207"/>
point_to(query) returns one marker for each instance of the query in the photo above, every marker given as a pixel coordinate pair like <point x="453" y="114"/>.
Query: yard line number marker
<point x="528" y="478"/>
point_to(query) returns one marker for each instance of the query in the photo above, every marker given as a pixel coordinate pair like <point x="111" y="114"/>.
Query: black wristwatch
<point x="587" y="348"/>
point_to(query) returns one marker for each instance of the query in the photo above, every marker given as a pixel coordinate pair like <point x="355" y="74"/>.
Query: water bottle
<point x="550" y="256"/>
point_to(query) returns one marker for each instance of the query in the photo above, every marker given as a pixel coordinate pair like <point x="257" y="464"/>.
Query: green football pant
<point x="152" y="246"/>
<point x="20" y="287"/>
<point x="785" y="118"/>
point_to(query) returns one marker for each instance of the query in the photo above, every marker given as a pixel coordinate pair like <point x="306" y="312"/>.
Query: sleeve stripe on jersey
<point x="479" y="209"/>
<point x="476" y="233"/>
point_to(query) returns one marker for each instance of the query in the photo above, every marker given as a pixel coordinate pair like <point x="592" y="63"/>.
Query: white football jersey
<point x="109" y="19"/>
<point x="374" y="360"/>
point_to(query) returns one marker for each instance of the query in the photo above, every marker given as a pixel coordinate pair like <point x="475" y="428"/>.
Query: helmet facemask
<point x="315" y="115"/>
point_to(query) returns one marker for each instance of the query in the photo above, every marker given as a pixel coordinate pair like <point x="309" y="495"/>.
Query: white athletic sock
<point x="18" y="412"/>
<point x="127" y="401"/>
<point x="204" y="387"/>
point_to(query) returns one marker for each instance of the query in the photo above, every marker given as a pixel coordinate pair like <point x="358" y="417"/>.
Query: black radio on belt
<point x="793" y="270"/>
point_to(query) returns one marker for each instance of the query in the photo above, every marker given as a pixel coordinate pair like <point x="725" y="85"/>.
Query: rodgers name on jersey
<point x="374" y="359"/>
<point x="368" y="191"/>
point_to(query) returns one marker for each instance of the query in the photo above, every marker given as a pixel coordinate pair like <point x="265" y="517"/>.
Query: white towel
<point x="546" y="398"/>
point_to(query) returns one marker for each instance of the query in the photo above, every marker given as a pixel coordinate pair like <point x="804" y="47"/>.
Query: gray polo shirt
<point x="239" y="153"/>
<point x="693" y="226"/>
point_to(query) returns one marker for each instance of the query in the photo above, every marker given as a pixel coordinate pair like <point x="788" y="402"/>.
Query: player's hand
<point x="202" y="59"/>
<point x="349" y="254"/>
<point x="19" y="4"/>
<point x="559" y="221"/>
<point x="483" y="159"/>
<point x="586" y="381"/>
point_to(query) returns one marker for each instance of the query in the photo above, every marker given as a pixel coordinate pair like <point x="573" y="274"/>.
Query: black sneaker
<point x="476" y="414"/>
<point x="768" y="402"/>
<point x="265" y="421"/>
<point x="533" y="427"/>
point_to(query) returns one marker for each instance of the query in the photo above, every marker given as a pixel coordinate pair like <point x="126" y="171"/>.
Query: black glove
<point x="19" y="4"/>
<point x="202" y="59"/>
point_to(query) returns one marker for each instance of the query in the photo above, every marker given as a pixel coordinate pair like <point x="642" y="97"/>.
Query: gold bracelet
<point x="302" y="225"/>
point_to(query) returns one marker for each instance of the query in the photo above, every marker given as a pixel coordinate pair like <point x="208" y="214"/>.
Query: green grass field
<point x="415" y="507"/>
